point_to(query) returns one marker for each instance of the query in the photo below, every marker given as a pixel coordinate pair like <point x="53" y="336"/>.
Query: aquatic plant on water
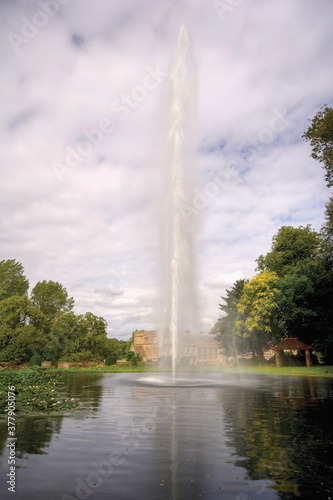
<point x="36" y="392"/>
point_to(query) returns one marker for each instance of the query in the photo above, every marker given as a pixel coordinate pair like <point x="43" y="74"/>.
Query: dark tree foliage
<point x="35" y="360"/>
<point x="323" y="297"/>
<point x="223" y="328"/>
<point x="21" y="329"/>
<point x="133" y="358"/>
<point x="110" y="360"/>
<point x="235" y="344"/>
<point x="320" y="136"/>
<point x="327" y="231"/>
<point x="297" y="312"/>
<point x="74" y="338"/>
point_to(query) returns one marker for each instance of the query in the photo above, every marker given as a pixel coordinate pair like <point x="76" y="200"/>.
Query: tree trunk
<point x="278" y="358"/>
<point x="308" y="357"/>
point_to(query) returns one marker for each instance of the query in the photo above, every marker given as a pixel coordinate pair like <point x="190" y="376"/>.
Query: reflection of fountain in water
<point x="174" y="450"/>
<point x="177" y="263"/>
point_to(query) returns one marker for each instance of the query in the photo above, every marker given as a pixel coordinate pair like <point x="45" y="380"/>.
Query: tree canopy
<point x="293" y="248"/>
<point x="12" y="279"/>
<point x="258" y="305"/>
<point x="73" y="338"/>
<point x="327" y="231"/>
<point x="230" y="329"/>
<point x="224" y="327"/>
<point x="52" y="299"/>
<point x="21" y="329"/>
<point x="320" y="136"/>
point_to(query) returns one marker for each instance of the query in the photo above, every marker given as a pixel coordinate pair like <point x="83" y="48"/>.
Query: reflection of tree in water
<point x="33" y="434"/>
<point x="286" y="438"/>
<point x="3" y="434"/>
<point x="85" y="387"/>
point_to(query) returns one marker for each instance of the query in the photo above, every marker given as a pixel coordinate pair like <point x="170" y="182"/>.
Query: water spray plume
<point x="177" y="262"/>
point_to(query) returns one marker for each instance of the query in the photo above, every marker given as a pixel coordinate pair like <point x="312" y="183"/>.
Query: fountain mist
<point x="177" y="262"/>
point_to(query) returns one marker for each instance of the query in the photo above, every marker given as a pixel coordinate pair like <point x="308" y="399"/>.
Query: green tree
<point x="110" y="360"/>
<point x="320" y="136"/>
<point x="322" y="330"/>
<point x="73" y="338"/>
<point x="94" y="335"/>
<point x="327" y="231"/>
<point x="293" y="251"/>
<point x="21" y="329"/>
<point x="124" y="346"/>
<point x="64" y="337"/>
<point x="133" y="358"/>
<point x="12" y="279"/>
<point x="52" y="299"/>
<point x="258" y="306"/>
<point x="114" y="347"/>
<point x="278" y="306"/>
<point x="302" y="260"/>
<point x="224" y="327"/>
<point x="130" y="356"/>
<point x="296" y="311"/>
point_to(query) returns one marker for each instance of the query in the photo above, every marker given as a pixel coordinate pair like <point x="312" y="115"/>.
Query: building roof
<point x="291" y="344"/>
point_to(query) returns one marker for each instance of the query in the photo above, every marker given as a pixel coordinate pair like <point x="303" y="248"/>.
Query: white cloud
<point x="97" y="232"/>
<point x="123" y="302"/>
<point x="224" y="280"/>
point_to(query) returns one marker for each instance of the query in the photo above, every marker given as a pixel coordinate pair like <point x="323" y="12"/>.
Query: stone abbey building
<point x="194" y="349"/>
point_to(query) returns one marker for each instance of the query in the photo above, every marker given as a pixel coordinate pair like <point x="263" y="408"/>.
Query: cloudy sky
<point x="82" y="83"/>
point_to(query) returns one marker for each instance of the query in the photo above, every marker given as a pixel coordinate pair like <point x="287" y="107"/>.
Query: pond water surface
<point x="213" y="436"/>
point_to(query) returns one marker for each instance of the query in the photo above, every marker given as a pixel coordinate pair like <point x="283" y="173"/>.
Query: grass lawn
<point x="298" y="371"/>
<point x="103" y="369"/>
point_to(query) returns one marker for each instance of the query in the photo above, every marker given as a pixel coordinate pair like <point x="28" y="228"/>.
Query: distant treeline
<point x="45" y="323"/>
<point x="292" y="294"/>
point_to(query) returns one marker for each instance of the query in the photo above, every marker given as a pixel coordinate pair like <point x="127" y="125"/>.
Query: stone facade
<point x="197" y="349"/>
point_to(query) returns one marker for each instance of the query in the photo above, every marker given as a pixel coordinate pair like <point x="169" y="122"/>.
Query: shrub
<point x="35" y="360"/>
<point x="37" y="368"/>
<point x="110" y="360"/>
<point x="133" y="358"/>
<point x="130" y="356"/>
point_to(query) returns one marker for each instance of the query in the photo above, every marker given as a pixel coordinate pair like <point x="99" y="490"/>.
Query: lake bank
<point x="291" y="371"/>
<point x="41" y="392"/>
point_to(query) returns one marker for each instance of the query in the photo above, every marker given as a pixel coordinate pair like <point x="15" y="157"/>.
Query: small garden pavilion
<point x="292" y="344"/>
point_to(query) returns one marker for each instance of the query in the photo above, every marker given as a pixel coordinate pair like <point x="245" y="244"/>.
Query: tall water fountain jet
<point x="177" y="227"/>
